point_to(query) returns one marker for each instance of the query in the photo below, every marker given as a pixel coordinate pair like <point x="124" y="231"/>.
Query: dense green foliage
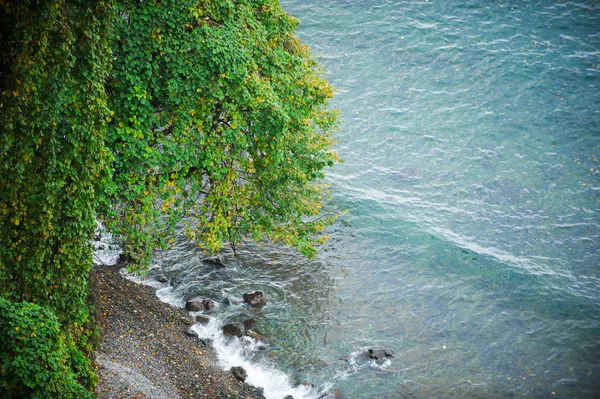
<point x="219" y="116"/>
<point x="34" y="358"/>
<point x="143" y="114"/>
<point x="54" y="59"/>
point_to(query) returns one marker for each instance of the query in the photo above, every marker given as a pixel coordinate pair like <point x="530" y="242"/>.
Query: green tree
<point x="220" y="119"/>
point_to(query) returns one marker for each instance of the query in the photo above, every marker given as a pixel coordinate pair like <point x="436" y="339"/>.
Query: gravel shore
<point x="145" y="351"/>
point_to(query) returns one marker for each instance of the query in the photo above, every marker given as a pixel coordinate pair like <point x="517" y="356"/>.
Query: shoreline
<point x="144" y="349"/>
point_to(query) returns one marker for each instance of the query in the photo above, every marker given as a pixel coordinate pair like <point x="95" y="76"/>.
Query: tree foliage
<point x="36" y="361"/>
<point x="54" y="59"/>
<point x="143" y="115"/>
<point x="220" y="118"/>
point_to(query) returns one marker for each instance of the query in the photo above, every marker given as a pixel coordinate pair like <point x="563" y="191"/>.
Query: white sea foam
<point x="233" y="352"/>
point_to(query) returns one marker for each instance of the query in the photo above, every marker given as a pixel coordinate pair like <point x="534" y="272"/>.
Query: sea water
<point x="470" y="136"/>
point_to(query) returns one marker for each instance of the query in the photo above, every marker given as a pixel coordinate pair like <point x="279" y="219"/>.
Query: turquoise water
<point x="471" y="137"/>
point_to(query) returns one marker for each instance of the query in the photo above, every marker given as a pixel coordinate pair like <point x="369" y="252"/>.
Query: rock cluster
<point x="199" y="304"/>
<point x="379" y="353"/>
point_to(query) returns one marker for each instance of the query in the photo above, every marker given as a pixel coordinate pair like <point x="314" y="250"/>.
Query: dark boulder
<point x="234" y="330"/>
<point x="192" y="333"/>
<point x="239" y="373"/>
<point x="288" y="397"/>
<point x="379" y="353"/>
<point x="198" y="304"/>
<point x="161" y="278"/>
<point x="202" y="319"/>
<point x="255" y="298"/>
<point x="215" y="261"/>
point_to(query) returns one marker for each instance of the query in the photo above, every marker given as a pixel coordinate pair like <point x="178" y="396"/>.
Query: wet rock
<point x="239" y="373"/>
<point x="192" y="333"/>
<point x="202" y="319"/>
<point x="215" y="261"/>
<point x="189" y="320"/>
<point x="205" y="343"/>
<point x="161" y="278"/>
<point x="333" y="393"/>
<point x="209" y="304"/>
<point x="194" y="305"/>
<point x="288" y="397"/>
<point x="233" y="330"/>
<point x="379" y="353"/>
<point x="255" y="298"/>
<point x="198" y="304"/>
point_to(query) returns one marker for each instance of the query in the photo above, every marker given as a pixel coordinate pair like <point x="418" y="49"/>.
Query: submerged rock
<point x="202" y="319"/>
<point x="249" y="323"/>
<point x="233" y="330"/>
<point x="255" y="298"/>
<point x="239" y="373"/>
<point x="215" y="261"/>
<point x="175" y="281"/>
<point x="198" y="304"/>
<point x="231" y="301"/>
<point x="379" y="353"/>
<point x="288" y="397"/>
<point x="161" y="278"/>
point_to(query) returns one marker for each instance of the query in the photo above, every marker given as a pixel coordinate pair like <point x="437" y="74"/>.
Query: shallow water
<point x="471" y="136"/>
